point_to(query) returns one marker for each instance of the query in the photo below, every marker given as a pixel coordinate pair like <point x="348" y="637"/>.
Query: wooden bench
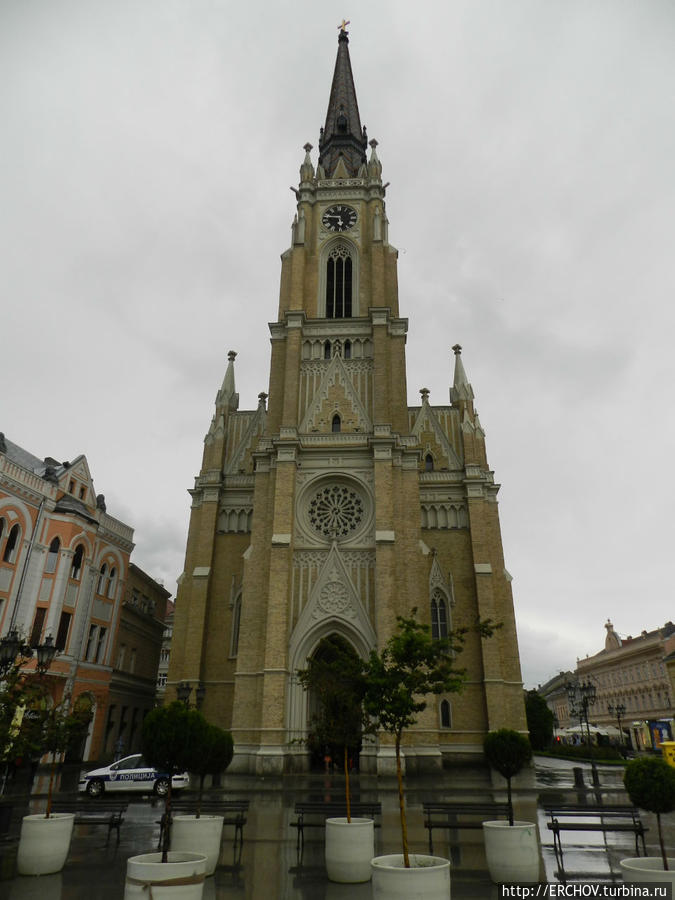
<point x="576" y="817"/>
<point x="460" y="815"/>
<point x="313" y="814"/>
<point x="95" y="812"/>
<point x="232" y="811"/>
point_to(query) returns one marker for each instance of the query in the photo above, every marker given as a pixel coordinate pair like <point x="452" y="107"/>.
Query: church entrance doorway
<point x="331" y="707"/>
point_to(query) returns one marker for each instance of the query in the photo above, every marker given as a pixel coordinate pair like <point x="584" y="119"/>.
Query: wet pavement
<point x="269" y="867"/>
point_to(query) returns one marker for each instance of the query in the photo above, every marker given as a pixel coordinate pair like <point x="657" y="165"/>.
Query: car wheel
<point x="95" y="788"/>
<point x="161" y="787"/>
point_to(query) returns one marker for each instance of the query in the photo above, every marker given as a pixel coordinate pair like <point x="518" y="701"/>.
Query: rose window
<point x="335" y="511"/>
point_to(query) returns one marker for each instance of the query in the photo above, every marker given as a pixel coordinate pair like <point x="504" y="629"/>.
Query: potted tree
<point x="45" y="839"/>
<point x="213" y="750"/>
<point x="650" y="783"/>
<point x="511" y="848"/>
<point x="168" y="742"/>
<point x="411" y="665"/>
<point x="335" y="678"/>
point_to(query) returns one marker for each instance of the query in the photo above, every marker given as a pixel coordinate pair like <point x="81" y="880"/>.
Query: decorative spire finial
<point x="343" y="25"/>
<point x="457" y="349"/>
<point x="425" y="394"/>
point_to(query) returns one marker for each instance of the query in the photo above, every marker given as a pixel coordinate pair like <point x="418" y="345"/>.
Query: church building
<point x="335" y="506"/>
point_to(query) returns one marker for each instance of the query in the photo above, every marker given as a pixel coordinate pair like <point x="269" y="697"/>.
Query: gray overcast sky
<point x="146" y="150"/>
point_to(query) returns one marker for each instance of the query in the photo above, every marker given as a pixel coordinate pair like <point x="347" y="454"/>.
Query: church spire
<point x="342" y="139"/>
<point x="461" y="392"/>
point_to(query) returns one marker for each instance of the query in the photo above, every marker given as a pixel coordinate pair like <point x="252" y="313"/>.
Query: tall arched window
<point x="336" y="425"/>
<point x="111" y="583"/>
<point x="439" y="616"/>
<point x="428" y="463"/>
<point x="76" y="569"/>
<point x="446" y="714"/>
<point x="52" y="556"/>
<point x="339" y="283"/>
<point x="348" y="350"/>
<point x="236" y="619"/>
<point x="326" y="350"/>
<point x="100" y="587"/>
<point x="9" y="556"/>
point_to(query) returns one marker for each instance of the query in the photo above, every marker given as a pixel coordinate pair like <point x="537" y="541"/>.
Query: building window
<point x="439" y="616"/>
<point x="336" y="424"/>
<point x="446" y="714"/>
<point x="132" y="660"/>
<point x="62" y="633"/>
<point x="236" y="620"/>
<point x="111" y="583"/>
<point x="83" y="491"/>
<point x="52" y="556"/>
<point x="161" y="680"/>
<point x="348" y="350"/>
<point x="76" y="568"/>
<point x="100" y="644"/>
<point x="428" y="463"/>
<point x="120" y="656"/>
<point x="339" y="283"/>
<point x="326" y="350"/>
<point x="2" y="528"/>
<point x="38" y="622"/>
<point x="9" y="556"/>
<point x="71" y="486"/>
<point x="100" y="587"/>
<point x="91" y="642"/>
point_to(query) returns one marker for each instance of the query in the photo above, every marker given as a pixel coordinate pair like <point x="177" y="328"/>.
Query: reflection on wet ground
<point x="269" y="867"/>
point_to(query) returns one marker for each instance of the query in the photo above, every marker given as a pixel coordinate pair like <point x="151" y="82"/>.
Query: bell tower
<point x="334" y="506"/>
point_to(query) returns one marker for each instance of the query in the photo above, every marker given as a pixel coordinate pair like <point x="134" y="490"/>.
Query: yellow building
<point x="335" y="506"/>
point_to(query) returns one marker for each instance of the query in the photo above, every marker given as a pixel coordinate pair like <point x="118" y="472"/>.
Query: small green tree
<point x="169" y="740"/>
<point x="335" y="676"/>
<point x="411" y="665"/>
<point x="214" y="749"/>
<point x="507" y="751"/>
<point x="539" y="720"/>
<point x="60" y="727"/>
<point x="650" y="783"/>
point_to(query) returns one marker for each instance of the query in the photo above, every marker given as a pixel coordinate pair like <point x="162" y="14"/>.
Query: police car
<point x="130" y="774"/>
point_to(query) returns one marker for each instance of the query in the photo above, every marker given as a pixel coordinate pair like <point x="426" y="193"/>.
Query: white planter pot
<point x="428" y="877"/>
<point x="44" y="843"/>
<point x="512" y="851"/>
<point x="350" y="846"/>
<point x="647" y="868"/>
<point x="181" y="878"/>
<point x="198" y="835"/>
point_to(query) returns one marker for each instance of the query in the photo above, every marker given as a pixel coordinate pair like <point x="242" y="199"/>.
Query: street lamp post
<point x="184" y="690"/>
<point x="581" y="695"/>
<point x="619" y="711"/>
<point x="13" y="647"/>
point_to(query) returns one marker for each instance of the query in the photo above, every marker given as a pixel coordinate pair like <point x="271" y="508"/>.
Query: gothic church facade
<point x="334" y="506"/>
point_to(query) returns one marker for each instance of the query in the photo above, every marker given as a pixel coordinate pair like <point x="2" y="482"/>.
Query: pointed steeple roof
<point x="461" y="390"/>
<point x="342" y="137"/>
<point x="227" y="395"/>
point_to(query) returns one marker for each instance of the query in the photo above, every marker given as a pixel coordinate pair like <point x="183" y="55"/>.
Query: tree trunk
<point x="166" y="826"/>
<point x="401" y="804"/>
<point x="347" y="791"/>
<point x="663" y="846"/>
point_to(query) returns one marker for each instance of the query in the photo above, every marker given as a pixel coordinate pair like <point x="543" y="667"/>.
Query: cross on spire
<point x="343" y="25"/>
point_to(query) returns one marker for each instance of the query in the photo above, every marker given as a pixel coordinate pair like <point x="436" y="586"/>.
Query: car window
<point x="130" y="762"/>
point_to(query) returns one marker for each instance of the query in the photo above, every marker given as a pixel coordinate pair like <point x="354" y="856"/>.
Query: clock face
<point x="339" y="218"/>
